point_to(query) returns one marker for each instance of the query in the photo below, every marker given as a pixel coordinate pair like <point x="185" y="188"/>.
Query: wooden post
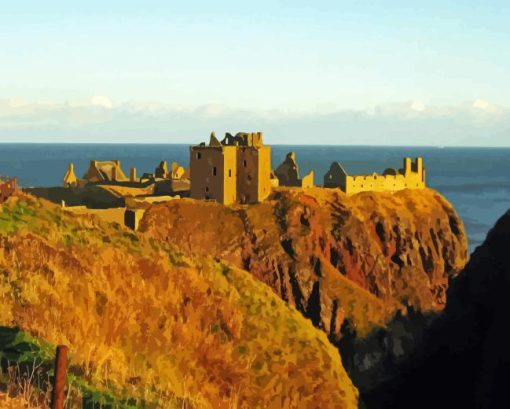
<point x="59" y="380"/>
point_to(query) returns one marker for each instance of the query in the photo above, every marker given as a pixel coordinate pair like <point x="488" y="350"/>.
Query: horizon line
<point x="270" y="144"/>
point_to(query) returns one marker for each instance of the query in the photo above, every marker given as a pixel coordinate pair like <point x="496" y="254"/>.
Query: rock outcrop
<point x="333" y="257"/>
<point x="465" y="358"/>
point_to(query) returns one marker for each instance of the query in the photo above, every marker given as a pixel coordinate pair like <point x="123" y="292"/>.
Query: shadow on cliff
<point x="90" y="195"/>
<point x="464" y="359"/>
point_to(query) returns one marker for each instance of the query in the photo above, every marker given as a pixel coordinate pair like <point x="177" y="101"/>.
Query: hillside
<point x="465" y="358"/>
<point x="332" y="256"/>
<point x="153" y="327"/>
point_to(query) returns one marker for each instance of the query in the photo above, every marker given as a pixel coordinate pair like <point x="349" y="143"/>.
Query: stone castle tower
<point x="237" y="169"/>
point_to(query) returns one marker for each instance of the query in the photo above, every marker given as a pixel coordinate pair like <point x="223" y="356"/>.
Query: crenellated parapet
<point x="411" y="176"/>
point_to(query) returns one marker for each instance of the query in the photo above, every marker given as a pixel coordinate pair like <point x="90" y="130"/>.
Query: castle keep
<point x="411" y="176"/>
<point x="237" y="169"/>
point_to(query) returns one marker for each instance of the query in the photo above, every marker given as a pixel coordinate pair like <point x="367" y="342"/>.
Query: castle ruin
<point x="288" y="173"/>
<point x="237" y="169"/>
<point x="411" y="176"/>
<point x="7" y="188"/>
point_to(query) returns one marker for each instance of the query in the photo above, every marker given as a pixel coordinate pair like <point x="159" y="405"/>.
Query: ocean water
<point x="475" y="180"/>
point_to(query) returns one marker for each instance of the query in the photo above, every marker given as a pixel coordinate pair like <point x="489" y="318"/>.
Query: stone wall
<point x="213" y="173"/>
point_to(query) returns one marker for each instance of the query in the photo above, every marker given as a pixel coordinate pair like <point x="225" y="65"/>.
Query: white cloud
<point x="485" y="106"/>
<point x="102" y="101"/>
<point x="418" y="106"/>
<point x="470" y="123"/>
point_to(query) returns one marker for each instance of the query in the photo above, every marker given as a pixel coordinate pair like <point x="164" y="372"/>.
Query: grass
<point x="148" y="325"/>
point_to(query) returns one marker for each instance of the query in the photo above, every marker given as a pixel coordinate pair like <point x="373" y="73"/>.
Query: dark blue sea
<point x="475" y="180"/>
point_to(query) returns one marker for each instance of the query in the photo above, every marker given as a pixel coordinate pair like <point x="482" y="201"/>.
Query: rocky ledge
<point x="333" y="257"/>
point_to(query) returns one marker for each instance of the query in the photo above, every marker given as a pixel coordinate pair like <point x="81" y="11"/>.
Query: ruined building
<point x="411" y="176"/>
<point x="7" y="188"/>
<point x="105" y="171"/>
<point x="237" y="169"/>
<point x="70" y="179"/>
<point x="288" y="173"/>
<point x="176" y="171"/>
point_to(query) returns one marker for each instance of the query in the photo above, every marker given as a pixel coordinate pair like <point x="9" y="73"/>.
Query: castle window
<point x="199" y="155"/>
<point x="207" y="189"/>
<point x="214" y="171"/>
<point x="245" y="163"/>
<point x="230" y="173"/>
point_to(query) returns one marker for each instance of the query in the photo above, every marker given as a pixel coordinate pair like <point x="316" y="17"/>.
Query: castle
<point x="411" y="176"/>
<point x="98" y="171"/>
<point x="7" y="188"/>
<point x="235" y="170"/>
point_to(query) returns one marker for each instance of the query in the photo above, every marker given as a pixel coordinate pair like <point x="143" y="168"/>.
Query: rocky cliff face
<point x="465" y="358"/>
<point x="331" y="256"/>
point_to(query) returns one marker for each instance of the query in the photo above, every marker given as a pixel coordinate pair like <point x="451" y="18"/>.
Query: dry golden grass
<point x="146" y="322"/>
<point x="112" y="215"/>
<point x="17" y="402"/>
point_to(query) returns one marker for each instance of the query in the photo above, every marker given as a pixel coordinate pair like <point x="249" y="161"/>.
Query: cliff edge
<point x="465" y="358"/>
<point x="333" y="257"/>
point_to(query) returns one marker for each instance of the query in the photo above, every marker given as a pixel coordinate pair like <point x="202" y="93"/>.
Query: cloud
<point x="418" y="106"/>
<point x="102" y="101"/>
<point x="475" y="123"/>
<point x="485" y="106"/>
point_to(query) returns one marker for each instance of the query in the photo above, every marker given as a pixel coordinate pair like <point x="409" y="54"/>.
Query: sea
<point x="475" y="180"/>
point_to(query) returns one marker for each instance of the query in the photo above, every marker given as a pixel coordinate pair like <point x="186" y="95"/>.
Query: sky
<point x="326" y="72"/>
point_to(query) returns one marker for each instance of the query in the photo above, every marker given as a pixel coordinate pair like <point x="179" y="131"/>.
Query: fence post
<point x="59" y="379"/>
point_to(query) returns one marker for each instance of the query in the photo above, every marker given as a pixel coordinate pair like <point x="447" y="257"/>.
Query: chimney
<point x="114" y="173"/>
<point x="132" y="174"/>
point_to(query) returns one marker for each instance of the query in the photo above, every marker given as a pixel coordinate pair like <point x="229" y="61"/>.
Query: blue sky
<point x="365" y="71"/>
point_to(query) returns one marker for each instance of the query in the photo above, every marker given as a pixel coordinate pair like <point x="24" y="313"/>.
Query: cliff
<point x="333" y="257"/>
<point x="465" y="357"/>
<point x="151" y="326"/>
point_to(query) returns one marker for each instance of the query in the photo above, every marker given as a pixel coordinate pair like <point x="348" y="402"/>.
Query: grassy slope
<point x="145" y="322"/>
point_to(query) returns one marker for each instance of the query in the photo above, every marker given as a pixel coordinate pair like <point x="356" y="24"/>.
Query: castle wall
<point x="213" y="173"/>
<point x="253" y="174"/>
<point x="247" y="174"/>
<point x="307" y="180"/>
<point x="92" y="174"/>
<point x="264" y="177"/>
<point x="229" y="175"/>
<point x="335" y="176"/>
<point x="412" y="177"/>
<point x="132" y="218"/>
<point x="70" y="179"/>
